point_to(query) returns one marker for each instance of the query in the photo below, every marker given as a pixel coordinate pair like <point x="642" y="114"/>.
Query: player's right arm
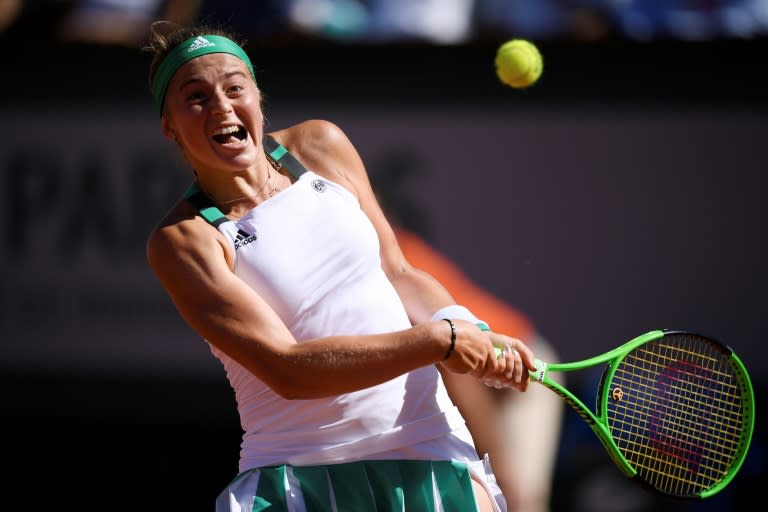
<point x="193" y="262"/>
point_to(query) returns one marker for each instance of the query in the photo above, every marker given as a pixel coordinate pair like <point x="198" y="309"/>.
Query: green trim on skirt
<point x="380" y="486"/>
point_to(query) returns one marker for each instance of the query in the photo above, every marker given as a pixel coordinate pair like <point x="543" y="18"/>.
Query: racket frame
<point x="597" y="419"/>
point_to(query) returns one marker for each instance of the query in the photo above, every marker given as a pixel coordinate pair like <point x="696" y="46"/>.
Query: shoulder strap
<point x="280" y="154"/>
<point x="204" y="204"/>
<point x="274" y="150"/>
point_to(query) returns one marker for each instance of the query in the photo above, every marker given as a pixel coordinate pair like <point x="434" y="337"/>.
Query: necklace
<point x="268" y="181"/>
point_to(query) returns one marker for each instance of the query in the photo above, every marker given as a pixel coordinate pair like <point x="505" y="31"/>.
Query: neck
<point x="257" y="194"/>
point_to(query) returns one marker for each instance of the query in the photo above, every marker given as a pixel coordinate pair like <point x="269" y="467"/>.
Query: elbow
<point x="290" y="392"/>
<point x="296" y="389"/>
<point x="291" y="387"/>
<point x="284" y="386"/>
<point x="288" y="375"/>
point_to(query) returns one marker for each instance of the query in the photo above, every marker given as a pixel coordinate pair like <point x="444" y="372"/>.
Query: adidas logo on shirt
<point x="244" y="238"/>
<point x="199" y="42"/>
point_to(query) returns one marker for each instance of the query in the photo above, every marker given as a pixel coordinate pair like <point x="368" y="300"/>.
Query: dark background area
<point x="623" y="192"/>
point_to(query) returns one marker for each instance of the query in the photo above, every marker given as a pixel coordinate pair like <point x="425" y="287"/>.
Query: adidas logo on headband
<point x="187" y="50"/>
<point x="199" y="42"/>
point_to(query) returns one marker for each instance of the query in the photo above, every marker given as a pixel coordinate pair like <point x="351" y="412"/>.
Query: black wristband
<point x="453" y="339"/>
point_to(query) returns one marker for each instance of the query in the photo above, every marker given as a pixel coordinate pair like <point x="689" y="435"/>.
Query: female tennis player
<point x="281" y="259"/>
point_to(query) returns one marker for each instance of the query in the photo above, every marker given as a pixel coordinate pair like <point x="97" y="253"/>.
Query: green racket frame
<point x="599" y="422"/>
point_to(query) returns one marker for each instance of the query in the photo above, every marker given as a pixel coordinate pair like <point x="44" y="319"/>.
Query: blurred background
<point x="622" y="193"/>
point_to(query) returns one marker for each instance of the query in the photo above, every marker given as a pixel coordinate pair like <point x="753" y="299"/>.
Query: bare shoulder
<point x="311" y="135"/>
<point x="182" y="239"/>
<point x="323" y="147"/>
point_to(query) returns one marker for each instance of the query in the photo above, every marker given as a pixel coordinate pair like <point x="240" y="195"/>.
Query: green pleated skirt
<point x="361" y="486"/>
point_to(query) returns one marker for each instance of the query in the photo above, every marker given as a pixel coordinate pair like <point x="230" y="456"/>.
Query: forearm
<point x="427" y="300"/>
<point x="421" y="294"/>
<point x="342" y="364"/>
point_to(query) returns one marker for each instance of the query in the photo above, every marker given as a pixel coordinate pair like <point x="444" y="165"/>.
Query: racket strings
<point x="678" y="415"/>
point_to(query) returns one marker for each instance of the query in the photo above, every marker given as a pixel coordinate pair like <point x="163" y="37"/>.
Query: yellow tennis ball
<point x="518" y="63"/>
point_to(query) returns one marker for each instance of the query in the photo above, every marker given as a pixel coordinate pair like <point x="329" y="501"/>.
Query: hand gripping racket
<point x="675" y="410"/>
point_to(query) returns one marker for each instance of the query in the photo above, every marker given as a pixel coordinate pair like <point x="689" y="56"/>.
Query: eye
<point x="195" y="96"/>
<point x="234" y="89"/>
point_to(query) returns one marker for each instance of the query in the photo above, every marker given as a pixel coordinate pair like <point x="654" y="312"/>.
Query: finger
<point x="509" y="359"/>
<point x="517" y="365"/>
<point x="508" y="355"/>
<point x="527" y="357"/>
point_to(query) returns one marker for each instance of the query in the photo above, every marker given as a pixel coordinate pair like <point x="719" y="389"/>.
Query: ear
<point x="168" y="130"/>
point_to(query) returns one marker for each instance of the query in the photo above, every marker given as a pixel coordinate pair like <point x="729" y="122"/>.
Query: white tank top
<point x="313" y="254"/>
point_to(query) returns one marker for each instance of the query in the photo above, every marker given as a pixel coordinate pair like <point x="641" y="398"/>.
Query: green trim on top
<point x="278" y="153"/>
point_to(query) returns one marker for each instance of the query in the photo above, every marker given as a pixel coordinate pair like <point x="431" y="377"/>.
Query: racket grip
<point x="484" y="327"/>
<point x="541" y="366"/>
<point x="537" y="374"/>
<point x="540" y="371"/>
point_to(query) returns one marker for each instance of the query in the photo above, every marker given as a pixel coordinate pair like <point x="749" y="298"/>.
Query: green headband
<point x="191" y="49"/>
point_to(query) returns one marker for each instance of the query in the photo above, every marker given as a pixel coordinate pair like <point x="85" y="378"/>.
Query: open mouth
<point x="230" y="134"/>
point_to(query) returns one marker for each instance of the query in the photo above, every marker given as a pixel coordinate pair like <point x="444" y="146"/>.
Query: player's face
<point x="213" y="111"/>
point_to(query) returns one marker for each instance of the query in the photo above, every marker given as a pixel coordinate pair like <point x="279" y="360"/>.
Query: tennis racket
<point x="675" y="410"/>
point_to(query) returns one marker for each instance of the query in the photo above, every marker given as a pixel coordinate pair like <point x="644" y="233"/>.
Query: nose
<point x="220" y="103"/>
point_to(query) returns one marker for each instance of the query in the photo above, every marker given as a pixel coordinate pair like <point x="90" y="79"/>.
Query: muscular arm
<point x="190" y="260"/>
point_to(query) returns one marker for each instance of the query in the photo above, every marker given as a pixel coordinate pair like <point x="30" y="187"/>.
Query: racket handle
<point x="540" y="371"/>
<point x="484" y="327"/>
<point x="541" y="366"/>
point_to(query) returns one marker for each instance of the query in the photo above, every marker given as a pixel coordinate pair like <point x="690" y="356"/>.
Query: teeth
<point x="226" y="130"/>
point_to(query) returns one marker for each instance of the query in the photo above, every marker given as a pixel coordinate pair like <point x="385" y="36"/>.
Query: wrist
<point x="453" y="339"/>
<point x="456" y="311"/>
